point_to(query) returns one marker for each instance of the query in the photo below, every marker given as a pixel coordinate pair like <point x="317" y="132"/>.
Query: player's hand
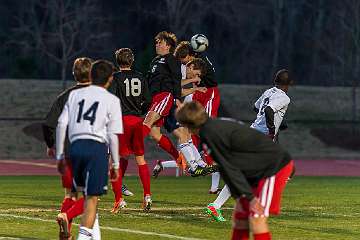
<point x="50" y="152"/>
<point x="201" y="89"/>
<point x="256" y="207"/>
<point x="61" y="166"/>
<point x="114" y="174"/>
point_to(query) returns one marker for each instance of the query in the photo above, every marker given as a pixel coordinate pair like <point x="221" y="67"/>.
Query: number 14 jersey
<point x="132" y="90"/>
<point x="91" y="113"/>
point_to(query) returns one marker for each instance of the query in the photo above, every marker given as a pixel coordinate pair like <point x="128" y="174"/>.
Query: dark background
<point x="318" y="40"/>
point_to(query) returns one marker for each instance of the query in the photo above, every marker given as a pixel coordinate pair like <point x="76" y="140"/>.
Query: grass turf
<point x="313" y="208"/>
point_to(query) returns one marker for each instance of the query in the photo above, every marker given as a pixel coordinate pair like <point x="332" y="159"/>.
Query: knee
<point x="240" y="220"/>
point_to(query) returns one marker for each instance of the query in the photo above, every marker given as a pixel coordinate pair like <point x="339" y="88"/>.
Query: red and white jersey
<point x="278" y="101"/>
<point x="92" y="113"/>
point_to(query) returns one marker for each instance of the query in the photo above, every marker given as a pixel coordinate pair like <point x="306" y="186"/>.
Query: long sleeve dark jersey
<point x="208" y="80"/>
<point x="244" y="155"/>
<point x="165" y="75"/>
<point x="51" y="120"/>
<point x="132" y="90"/>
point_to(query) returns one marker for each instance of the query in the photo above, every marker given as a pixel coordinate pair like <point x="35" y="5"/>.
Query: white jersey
<point x="278" y="101"/>
<point x="188" y="98"/>
<point x="92" y="113"/>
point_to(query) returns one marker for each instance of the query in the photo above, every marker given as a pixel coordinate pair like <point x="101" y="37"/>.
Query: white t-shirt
<point x="278" y="101"/>
<point x="92" y="113"/>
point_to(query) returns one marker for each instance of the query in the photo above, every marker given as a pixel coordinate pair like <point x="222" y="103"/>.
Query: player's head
<point x="192" y="115"/>
<point x="184" y="52"/>
<point x="195" y="68"/>
<point x="101" y="73"/>
<point x="165" y="42"/>
<point x="282" y="79"/>
<point x="81" y="69"/>
<point x="124" y="57"/>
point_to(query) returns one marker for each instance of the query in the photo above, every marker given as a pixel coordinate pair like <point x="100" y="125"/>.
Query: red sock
<point x="145" y="130"/>
<point x="123" y="166"/>
<point x="76" y="210"/>
<point x="240" y="234"/>
<point x="66" y="204"/>
<point x="116" y="186"/>
<point x="145" y="178"/>
<point x="166" y="144"/>
<point x="262" y="236"/>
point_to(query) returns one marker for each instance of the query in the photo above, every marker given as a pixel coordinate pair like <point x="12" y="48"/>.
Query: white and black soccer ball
<point x="199" y="42"/>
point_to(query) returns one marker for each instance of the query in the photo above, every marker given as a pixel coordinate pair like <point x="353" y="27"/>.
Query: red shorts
<point x="269" y="192"/>
<point x="162" y="103"/>
<point x="67" y="177"/>
<point x="209" y="99"/>
<point x="127" y="141"/>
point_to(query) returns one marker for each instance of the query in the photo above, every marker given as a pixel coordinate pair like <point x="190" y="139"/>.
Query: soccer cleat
<point x="212" y="168"/>
<point x="147" y="203"/>
<point x="64" y="233"/>
<point x="216" y="214"/>
<point x="157" y="169"/>
<point x="199" y="171"/>
<point x="118" y="205"/>
<point x="126" y="191"/>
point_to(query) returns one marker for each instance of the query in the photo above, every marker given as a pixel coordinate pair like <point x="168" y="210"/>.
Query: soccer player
<point x="131" y="88"/>
<point x="270" y="108"/>
<point x="254" y="168"/>
<point x="93" y="118"/>
<point x="164" y="79"/>
<point x="210" y="99"/>
<point x="70" y="207"/>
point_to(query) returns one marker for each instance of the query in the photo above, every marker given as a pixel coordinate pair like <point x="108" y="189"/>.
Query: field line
<point x="169" y="236"/>
<point x="29" y="163"/>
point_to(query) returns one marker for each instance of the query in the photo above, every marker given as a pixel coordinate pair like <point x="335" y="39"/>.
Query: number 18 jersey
<point x="91" y="113"/>
<point x="278" y="101"/>
<point x="132" y="90"/>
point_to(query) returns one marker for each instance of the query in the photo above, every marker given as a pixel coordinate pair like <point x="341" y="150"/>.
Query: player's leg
<point x="144" y="175"/>
<point x="240" y="219"/>
<point x="214" y="208"/>
<point x="117" y="187"/>
<point x="88" y="218"/>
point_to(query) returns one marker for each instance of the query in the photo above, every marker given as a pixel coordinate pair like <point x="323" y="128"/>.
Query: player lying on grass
<point x="270" y="108"/>
<point x="93" y="119"/>
<point x="254" y="168"/>
<point x="131" y="88"/>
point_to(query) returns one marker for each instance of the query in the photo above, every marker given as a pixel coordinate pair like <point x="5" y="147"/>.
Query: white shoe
<point x="118" y="205"/>
<point x="147" y="203"/>
<point x="126" y="191"/>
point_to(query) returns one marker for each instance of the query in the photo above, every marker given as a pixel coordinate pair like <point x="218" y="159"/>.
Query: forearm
<point x="114" y="149"/>
<point x="60" y="141"/>
<point x="49" y="137"/>
<point x="269" y="115"/>
<point x="187" y="91"/>
<point x="186" y="82"/>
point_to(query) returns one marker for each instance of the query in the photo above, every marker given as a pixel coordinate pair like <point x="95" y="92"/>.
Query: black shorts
<point x="89" y="159"/>
<point x="171" y="123"/>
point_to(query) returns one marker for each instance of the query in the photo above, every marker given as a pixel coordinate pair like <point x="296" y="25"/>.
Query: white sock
<point x="85" y="233"/>
<point x="223" y="196"/>
<point x="197" y="155"/>
<point x="96" y="229"/>
<point x="169" y="164"/>
<point x="215" y="180"/>
<point x="187" y="151"/>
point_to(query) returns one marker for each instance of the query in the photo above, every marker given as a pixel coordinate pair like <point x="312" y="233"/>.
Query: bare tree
<point x="60" y="29"/>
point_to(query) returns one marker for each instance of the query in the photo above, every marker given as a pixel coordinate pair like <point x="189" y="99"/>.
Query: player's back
<point x="278" y="101"/>
<point x="90" y="110"/>
<point x="132" y="89"/>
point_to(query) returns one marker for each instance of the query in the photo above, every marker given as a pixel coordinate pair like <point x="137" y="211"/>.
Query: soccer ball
<point x="199" y="42"/>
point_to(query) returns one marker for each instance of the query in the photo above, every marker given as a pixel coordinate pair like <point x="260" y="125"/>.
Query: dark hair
<point x="282" y="78"/>
<point x="81" y="69"/>
<point x="169" y="38"/>
<point x="192" y="115"/>
<point x="198" y="64"/>
<point x="101" y="71"/>
<point x="124" y="57"/>
<point x="184" y="49"/>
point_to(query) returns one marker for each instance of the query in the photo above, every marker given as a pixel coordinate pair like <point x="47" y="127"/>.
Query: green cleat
<point x="216" y="214"/>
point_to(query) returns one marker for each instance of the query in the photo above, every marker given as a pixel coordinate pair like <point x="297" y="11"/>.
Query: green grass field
<point x="313" y="208"/>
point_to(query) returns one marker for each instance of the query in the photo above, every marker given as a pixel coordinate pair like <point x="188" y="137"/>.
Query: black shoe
<point x="199" y="171"/>
<point x="212" y="168"/>
<point x="157" y="169"/>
